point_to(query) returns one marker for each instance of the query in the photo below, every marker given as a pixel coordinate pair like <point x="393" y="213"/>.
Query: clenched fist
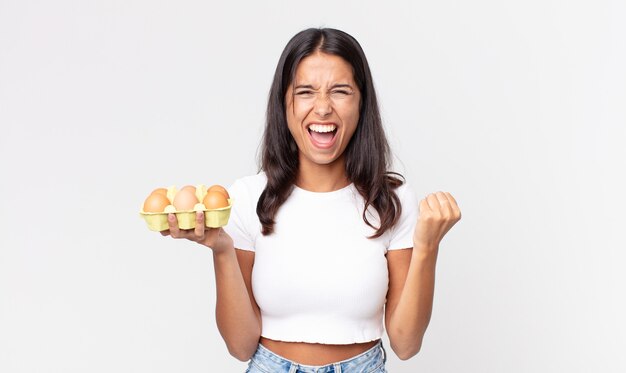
<point x="438" y="212"/>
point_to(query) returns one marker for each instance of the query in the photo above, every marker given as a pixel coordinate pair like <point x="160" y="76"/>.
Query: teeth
<point x="322" y="127"/>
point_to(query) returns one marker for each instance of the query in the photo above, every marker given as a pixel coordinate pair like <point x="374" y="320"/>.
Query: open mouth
<point x="322" y="135"/>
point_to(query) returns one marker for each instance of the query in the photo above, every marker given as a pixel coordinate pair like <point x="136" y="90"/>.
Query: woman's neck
<point x="322" y="177"/>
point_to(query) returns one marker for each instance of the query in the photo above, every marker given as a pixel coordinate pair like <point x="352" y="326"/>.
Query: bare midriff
<point x="315" y="353"/>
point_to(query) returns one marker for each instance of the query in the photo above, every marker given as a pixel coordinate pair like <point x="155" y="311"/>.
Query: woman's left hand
<point x="438" y="212"/>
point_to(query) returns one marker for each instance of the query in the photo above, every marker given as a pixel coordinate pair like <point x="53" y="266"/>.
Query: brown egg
<point x="215" y="200"/>
<point x="218" y="188"/>
<point x="162" y="191"/>
<point x="155" y="203"/>
<point x="185" y="199"/>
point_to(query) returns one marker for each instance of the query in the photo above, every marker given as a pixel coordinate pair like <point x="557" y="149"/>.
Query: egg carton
<point x="213" y="218"/>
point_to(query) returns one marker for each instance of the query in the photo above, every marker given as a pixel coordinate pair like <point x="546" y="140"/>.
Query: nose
<point x="322" y="106"/>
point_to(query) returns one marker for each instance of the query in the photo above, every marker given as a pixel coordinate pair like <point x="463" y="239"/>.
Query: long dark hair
<point x="367" y="154"/>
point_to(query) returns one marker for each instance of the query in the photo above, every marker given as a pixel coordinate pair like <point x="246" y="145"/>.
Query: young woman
<point x="325" y="243"/>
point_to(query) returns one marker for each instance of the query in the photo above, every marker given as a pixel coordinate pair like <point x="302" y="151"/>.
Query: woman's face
<point x="322" y="106"/>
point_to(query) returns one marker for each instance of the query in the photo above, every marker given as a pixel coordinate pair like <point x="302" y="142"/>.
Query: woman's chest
<point x="320" y="255"/>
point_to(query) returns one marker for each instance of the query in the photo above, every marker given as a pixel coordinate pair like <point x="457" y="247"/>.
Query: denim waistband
<point x="375" y="356"/>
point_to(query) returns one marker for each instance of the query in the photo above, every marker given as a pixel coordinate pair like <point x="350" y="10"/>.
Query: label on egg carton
<point x="214" y="218"/>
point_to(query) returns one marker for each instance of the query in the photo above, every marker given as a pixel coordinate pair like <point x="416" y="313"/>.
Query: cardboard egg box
<point x="214" y="218"/>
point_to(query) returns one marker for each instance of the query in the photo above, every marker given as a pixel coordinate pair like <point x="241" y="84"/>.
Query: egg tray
<point x="213" y="218"/>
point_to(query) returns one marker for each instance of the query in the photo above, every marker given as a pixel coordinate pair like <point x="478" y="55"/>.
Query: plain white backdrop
<point x="516" y="107"/>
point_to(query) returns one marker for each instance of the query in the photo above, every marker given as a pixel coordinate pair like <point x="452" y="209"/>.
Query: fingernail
<point x="170" y="217"/>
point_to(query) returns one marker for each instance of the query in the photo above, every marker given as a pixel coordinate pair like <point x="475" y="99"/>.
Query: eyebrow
<point x="341" y="85"/>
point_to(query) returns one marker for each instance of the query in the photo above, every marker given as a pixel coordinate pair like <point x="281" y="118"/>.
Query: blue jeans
<point x="370" y="361"/>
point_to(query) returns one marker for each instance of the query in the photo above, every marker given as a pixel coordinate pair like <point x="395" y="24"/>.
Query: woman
<point x="334" y="237"/>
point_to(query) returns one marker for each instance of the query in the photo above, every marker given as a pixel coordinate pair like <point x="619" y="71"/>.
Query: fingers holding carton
<point x="215" y="238"/>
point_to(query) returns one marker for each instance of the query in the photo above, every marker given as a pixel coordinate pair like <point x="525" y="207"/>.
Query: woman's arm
<point x="238" y="316"/>
<point x="412" y="275"/>
<point x="409" y="300"/>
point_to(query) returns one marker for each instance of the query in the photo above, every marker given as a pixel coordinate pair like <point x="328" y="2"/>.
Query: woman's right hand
<point x="214" y="238"/>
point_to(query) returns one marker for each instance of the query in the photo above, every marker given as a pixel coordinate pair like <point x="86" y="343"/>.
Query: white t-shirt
<point x="318" y="278"/>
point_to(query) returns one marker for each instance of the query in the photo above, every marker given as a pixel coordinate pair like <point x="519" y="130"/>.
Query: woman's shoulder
<point x="405" y="191"/>
<point x="249" y="186"/>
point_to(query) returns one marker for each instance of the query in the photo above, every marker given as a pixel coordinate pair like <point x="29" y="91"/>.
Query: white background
<point x="516" y="107"/>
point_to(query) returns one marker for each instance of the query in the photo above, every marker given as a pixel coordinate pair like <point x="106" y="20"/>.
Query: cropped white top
<point x="318" y="278"/>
